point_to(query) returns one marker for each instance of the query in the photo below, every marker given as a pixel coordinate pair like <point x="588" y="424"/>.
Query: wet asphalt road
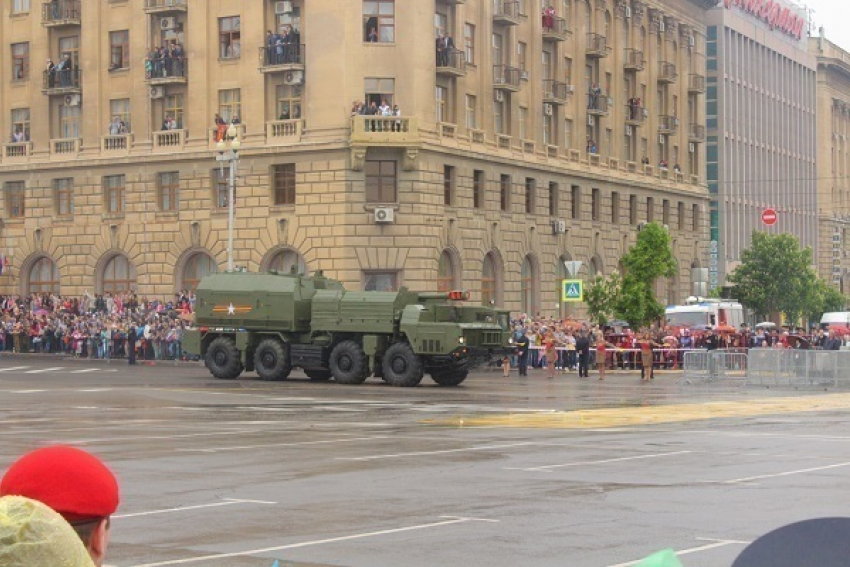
<point x="242" y="473"/>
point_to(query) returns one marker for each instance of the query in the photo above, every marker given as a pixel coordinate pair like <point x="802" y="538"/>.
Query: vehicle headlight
<point x="461" y="340"/>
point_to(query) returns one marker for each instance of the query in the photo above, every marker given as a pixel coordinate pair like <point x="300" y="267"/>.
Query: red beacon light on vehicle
<point x="458" y="295"/>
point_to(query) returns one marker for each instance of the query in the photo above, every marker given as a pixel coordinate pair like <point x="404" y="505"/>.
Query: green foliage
<point x="600" y="296"/>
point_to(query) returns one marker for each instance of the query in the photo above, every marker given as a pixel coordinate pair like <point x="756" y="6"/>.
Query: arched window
<point x="491" y="280"/>
<point x="446" y="277"/>
<point x="198" y="266"/>
<point x="594" y="268"/>
<point x="528" y="286"/>
<point x="119" y="275"/>
<point x="285" y="260"/>
<point x="43" y="277"/>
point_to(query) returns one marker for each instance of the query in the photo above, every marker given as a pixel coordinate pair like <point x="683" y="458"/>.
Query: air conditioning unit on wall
<point x="72" y="100"/>
<point x="157" y="92"/>
<point x="384" y="215"/>
<point x="168" y="23"/>
<point x="548" y="110"/>
<point x="284" y="7"/>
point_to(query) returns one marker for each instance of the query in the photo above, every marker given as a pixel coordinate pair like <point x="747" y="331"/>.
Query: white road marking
<point x="13" y="368"/>
<point x="788" y="473"/>
<point x="446" y="521"/>
<point x="84" y="371"/>
<point x="787" y="435"/>
<point x="226" y="502"/>
<point x="547" y="468"/>
<point x="716" y="544"/>
<point x="26" y="391"/>
<point x="441" y="452"/>
<point x="43" y="370"/>
<point x="296" y="444"/>
<point x="154" y="437"/>
<point x="95" y="389"/>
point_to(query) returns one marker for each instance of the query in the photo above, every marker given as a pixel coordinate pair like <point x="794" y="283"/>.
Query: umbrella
<point x="766" y="325"/>
<point x="725" y="329"/>
<point x="796" y="341"/>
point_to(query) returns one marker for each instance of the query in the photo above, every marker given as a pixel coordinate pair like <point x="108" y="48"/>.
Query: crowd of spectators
<point x="283" y="48"/>
<point x="166" y="61"/>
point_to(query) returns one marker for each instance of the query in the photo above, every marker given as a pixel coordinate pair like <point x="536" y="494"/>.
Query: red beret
<point x="74" y="483"/>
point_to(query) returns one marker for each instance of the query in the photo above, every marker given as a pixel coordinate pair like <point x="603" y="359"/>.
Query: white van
<point x="835" y="318"/>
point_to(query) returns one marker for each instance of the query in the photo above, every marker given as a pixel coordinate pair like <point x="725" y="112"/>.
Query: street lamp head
<point x="235" y="144"/>
<point x="220" y="146"/>
<point x="231" y="131"/>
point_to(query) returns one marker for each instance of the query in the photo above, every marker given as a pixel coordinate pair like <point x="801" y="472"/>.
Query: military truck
<point x="270" y="323"/>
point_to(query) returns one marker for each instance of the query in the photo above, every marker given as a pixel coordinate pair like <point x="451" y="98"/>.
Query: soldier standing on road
<point x="583" y="350"/>
<point x="131" y="345"/>
<point x="522" y="354"/>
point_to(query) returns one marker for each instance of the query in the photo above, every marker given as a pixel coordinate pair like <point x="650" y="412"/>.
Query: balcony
<point x="167" y="71"/>
<point x="633" y="60"/>
<point x="454" y="2"/>
<point x="60" y="13"/>
<point x="636" y="114"/>
<point x="667" y="124"/>
<point x="597" y="104"/>
<point x="283" y="58"/>
<point x="667" y="72"/>
<point x="506" y="78"/>
<point x="506" y="13"/>
<point x="65" y="147"/>
<point x="696" y="133"/>
<point x="279" y="132"/>
<point x="452" y="63"/>
<point x="62" y="82"/>
<point x="164" y="6"/>
<point x="17" y="151"/>
<point x="558" y="30"/>
<point x="118" y="144"/>
<point x="696" y="83"/>
<point x="384" y="130"/>
<point x="555" y="92"/>
<point x="169" y="140"/>
<point x="213" y="135"/>
<point x="597" y="46"/>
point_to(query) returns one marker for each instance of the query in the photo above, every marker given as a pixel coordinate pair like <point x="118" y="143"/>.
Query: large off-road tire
<point x="450" y="378"/>
<point x="349" y="364"/>
<point x="401" y="366"/>
<point x="318" y="375"/>
<point x="271" y="360"/>
<point x="223" y="359"/>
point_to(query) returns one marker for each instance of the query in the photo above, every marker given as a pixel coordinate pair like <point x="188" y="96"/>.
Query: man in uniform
<point x="522" y="344"/>
<point x="583" y="350"/>
<point x="75" y="484"/>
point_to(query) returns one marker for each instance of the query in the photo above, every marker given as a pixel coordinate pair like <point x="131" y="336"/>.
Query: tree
<point x="601" y="296"/>
<point x="775" y="276"/>
<point x="822" y="299"/>
<point x="649" y="259"/>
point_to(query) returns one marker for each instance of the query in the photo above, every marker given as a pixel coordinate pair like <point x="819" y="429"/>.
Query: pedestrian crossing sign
<point x="572" y="291"/>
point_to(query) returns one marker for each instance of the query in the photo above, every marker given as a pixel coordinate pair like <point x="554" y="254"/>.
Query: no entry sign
<point x="768" y="217"/>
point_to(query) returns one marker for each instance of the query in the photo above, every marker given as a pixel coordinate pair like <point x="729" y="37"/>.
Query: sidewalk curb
<point x="106" y="361"/>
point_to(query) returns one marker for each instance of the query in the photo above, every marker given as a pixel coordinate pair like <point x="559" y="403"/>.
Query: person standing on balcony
<point x="114" y="127"/>
<point x="548" y="18"/>
<point x="445" y="45"/>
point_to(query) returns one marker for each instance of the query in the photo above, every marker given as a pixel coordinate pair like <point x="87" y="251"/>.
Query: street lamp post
<point x="228" y="151"/>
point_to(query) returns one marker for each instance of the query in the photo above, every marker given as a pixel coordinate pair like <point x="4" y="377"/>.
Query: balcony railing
<point x="633" y="60"/>
<point x="696" y="133"/>
<point x="636" y="114"/>
<point x="163" y="6"/>
<point x="597" y="45"/>
<point x="64" y="81"/>
<point x="667" y="72"/>
<point x="17" y="150"/>
<point x="555" y="92"/>
<point x="116" y="143"/>
<point x="668" y="124"/>
<point x="696" y="83"/>
<point x="597" y="104"/>
<point x="506" y="12"/>
<point x="166" y="70"/>
<point x="169" y="139"/>
<point x="384" y="130"/>
<point x="287" y="56"/>
<point x="506" y="78"/>
<point x="66" y="146"/>
<point x="452" y="62"/>
<point x="60" y="13"/>
<point x="555" y="29"/>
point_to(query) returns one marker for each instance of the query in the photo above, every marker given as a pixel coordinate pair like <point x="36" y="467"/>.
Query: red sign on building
<point x="775" y="14"/>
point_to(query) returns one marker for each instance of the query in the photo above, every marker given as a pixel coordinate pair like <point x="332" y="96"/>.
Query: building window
<point x="505" y="192"/>
<point x="196" y="268"/>
<point x="530" y="190"/>
<point x="381" y="178"/>
<point x="446" y="272"/>
<point x="230" y="104"/>
<point x="173" y="108"/>
<point x="379" y="21"/>
<point x="553" y="199"/>
<point x="379" y="91"/>
<point x="169" y="191"/>
<point x="229" y="37"/>
<point x="287" y="262"/>
<point x="528" y="285"/>
<point x="615" y="208"/>
<point x="43" y="277"/>
<point x="20" y="125"/>
<point x="499" y="117"/>
<point x="69" y="121"/>
<point x="490" y="281"/>
<point x="380" y="281"/>
<point x="20" y="61"/>
<point x="469" y="43"/>
<point x="15" y="192"/>
<point x="119" y="275"/>
<point x="633" y="209"/>
<point x="650" y="209"/>
<point x="221" y="189"/>
<point x="695" y="216"/>
<point x="283" y="178"/>
<point x="20" y="6"/>
<point x="594" y="204"/>
<point x="120" y="109"/>
<point x="448" y="185"/>
<point x="113" y="193"/>
<point x="63" y="191"/>
<point x="443" y="104"/>
<point x="70" y="46"/>
<point x="477" y="189"/>
<point x="576" y="202"/>
<point x="522" y="58"/>
<point x="119" y="50"/>
<point x="523" y="123"/>
<point x="289" y="102"/>
<point x="547" y="129"/>
<point x="471" y="112"/>
<point x="681" y="215"/>
<point x="665" y="212"/>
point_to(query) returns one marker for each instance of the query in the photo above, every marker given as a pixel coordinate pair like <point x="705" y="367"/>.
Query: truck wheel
<point x="348" y="363"/>
<point x="450" y="378"/>
<point x="271" y="361"/>
<point x="401" y="366"/>
<point x="318" y="375"/>
<point x="223" y="359"/>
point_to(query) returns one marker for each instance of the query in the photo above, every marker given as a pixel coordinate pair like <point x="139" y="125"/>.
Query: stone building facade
<point x="520" y="148"/>
<point x="833" y="161"/>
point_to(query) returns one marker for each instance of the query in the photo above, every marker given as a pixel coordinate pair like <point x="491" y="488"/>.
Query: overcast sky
<point x="834" y="15"/>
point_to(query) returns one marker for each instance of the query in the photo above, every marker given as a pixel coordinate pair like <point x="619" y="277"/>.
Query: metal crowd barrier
<point x="774" y="367"/>
<point x="715" y="365"/>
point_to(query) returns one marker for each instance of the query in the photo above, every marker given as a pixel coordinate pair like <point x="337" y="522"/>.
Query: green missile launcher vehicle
<point x="270" y="323"/>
